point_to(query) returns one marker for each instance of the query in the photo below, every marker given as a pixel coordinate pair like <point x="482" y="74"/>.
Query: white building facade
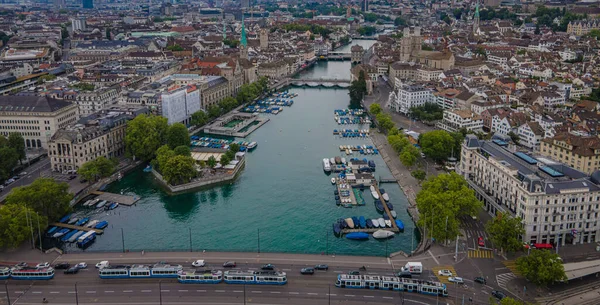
<point x="411" y="96"/>
<point x="179" y="105"/>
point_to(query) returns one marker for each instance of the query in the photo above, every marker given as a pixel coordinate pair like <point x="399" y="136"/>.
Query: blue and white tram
<point x="163" y="270"/>
<point x="140" y="271"/>
<point x="32" y="273"/>
<point x="255" y="277"/>
<point x="114" y="273"/>
<point x="4" y="273"/>
<point x="201" y="277"/>
<point x="391" y="283"/>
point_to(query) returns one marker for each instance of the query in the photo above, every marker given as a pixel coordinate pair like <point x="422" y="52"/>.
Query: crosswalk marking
<point x="512" y="266"/>
<point x="443" y="279"/>
<point x="481" y="254"/>
<point x="504" y="278"/>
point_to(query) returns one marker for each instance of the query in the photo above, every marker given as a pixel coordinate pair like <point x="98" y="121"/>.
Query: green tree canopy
<point x="9" y="158"/>
<point x="505" y="232"/>
<point x="357" y="90"/>
<point x="384" y="121"/>
<point x="211" y="162"/>
<point x="144" y="135"/>
<point x="375" y="109"/>
<point x="199" y="118"/>
<point x="427" y="113"/>
<point x="446" y="196"/>
<point x="398" y="142"/>
<point x="177" y="135"/>
<point x="228" y="104"/>
<point x="418" y="174"/>
<point x="214" y="111"/>
<point x="14" y="227"/>
<point x="179" y="170"/>
<point x="45" y="196"/>
<point x="16" y="142"/>
<point x="183" y="150"/>
<point x="96" y="169"/>
<point x="437" y="144"/>
<point x="224" y="159"/>
<point x="409" y="155"/>
<point x="175" y="48"/>
<point x="163" y="154"/>
<point x="541" y="267"/>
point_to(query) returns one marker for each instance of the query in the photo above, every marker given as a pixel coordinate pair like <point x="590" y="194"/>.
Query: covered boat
<point x="369" y="223"/>
<point x="379" y="205"/>
<point x="338" y="160"/>
<point x="357" y="235"/>
<point x="374" y="194"/>
<point x="326" y="165"/>
<point x="332" y="180"/>
<point x="350" y="223"/>
<point x="362" y="221"/>
<point x="332" y="161"/>
<point x="101" y="225"/>
<point x="388" y="223"/>
<point x="400" y="224"/>
<point x="381" y="222"/>
<point x="394" y="214"/>
<point x="356" y="222"/>
<point x="65" y="218"/>
<point x="375" y="223"/>
<point x="337" y="229"/>
<point x="389" y="205"/>
<point x="385" y="196"/>
<point x="372" y="188"/>
<point x="381" y="234"/>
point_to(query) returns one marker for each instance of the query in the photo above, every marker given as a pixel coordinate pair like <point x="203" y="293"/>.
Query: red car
<point x="481" y="242"/>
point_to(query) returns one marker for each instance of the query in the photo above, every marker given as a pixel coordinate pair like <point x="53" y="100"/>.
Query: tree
<point x="357" y="90"/>
<point x="398" y="142"/>
<point x="179" y="170"/>
<point x="514" y="137"/>
<point x="175" y="48"/>
<point x="375" y="109"/>
<point x="45" y="196"/>
<point x="214" y="111"/>
<point x="96" y="169"/>
<point x="437" y="144"/>
<point x="384" y="121"/>
<point x="163" y="154"/>
<point x="428" y="112"/>
<point x="541" y="267"/>
<point x="199" y="118"/>
<point x="234" y="147"/>
<point x="8" y="160"/>
<point x="144" y="135"/>
<point x="445" y="197"/>
<point x="228" y="104"/>
<point x="595" y="33"/>
<point x="177" y="135"/>
<point x="418" y="174"/>
<point x="16" y="142"/>
<point x="224" y="159"/>
<point x="409" y="156"/>
<point x="211" y="162"/>
<point x="183" y="150"/>
<point x="14" y="227"/>
<point x="505" y="232"/>
<point x="399" y="21"/>
<point x="511" y="301"/>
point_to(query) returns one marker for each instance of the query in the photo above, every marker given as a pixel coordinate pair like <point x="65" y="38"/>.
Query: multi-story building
<point x="78" y="24"/>
<point x="90" y="102"/>
<point x="556" y="203"/>
<point x="455" y="120"/>
<point x="582" y="27"/>
<point x="579" y="152"/>
<point x="356" y="54"/>
<point x="214" y="89"/>
<point x="402" y="71"/>
<point x="100" y="136"/>
<point x="409" y="97"/>
<point x="180" y="103"/>
<point x="530" y="134"/>
<point x="36" y="118"/>
<point x="273" y="70"/>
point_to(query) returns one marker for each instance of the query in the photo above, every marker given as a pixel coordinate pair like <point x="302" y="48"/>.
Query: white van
<point x="413" y="267"/>
<point x="102" y="264"/>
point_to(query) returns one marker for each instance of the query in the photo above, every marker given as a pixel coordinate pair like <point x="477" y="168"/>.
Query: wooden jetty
<point x="394" y="228"/>
<point x="349" y="189"/>
<point x="73" y="227"/>
<point x="387" y="211"/>
<point x="112" y="197"/>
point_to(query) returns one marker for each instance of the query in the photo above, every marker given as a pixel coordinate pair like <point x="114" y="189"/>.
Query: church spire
<point x="243" y="40"/>
<point x="224" y="30"/>
<point x="476" y="19"/>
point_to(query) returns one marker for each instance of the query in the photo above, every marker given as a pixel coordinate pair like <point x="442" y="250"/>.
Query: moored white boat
<point x="332" y="180"/>
<point x="381" y="222"/>
<point x="375" y="223"/>
<point x="388" y="223"/>
<point x="326" y="165"/>
<point x="350" y="223"/>
<point x="372" y="188"/>
<point x="380" y="234"/>
<point x="374" y="194"/>
<point x="92" y="224"/>
<point x="385" y="197"/>
<point x="393" y="213"/>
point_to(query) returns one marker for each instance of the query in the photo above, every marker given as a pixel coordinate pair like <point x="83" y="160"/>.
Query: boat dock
<point x="387" y="211"/>
<point x="371" y="230"/>
<point x="350" y="191"/>
<point x="112" y="197"/>
<point x="73" y="227"/>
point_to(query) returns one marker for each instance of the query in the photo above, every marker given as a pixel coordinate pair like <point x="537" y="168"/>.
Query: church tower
<point x="243" y="41"/>
<point x="476" y="19"/>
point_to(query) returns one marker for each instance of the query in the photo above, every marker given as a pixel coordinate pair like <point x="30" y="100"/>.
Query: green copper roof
<point x="477" y="10"/>
<point x="243" y="40"/>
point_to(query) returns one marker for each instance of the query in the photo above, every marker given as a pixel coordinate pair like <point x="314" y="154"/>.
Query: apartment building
<point x="180" y="103"/>
<point x="71" y="147"/>
<point x="94" y="101"/>
<point x="530" y="134"/>
<point x="579" y="152"/>
<point x="556" y="203"/>
<point x="410" y="96"/>
<point x="36" y="118"/>
<point x="455" y="120"/>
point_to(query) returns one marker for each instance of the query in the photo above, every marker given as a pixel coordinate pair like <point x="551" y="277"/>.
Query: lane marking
<point x="127" y="291"/>
<point x="36" y="292"/>
<point x="146" y="290"/>
<point x="368" y="296"/>
<point x="71" y="291"/>
<point x="54" y="292"/>
<point x="238" y="291"/>
<point x="255" y="291"/>
<point x="331" y="294"/>
<point x="312" y="293"/>
<point x="219" y="290"/>
<point x="389" y="298"/>
<point x="349" y="295"/>
<point x="165" y="290"/>
<point x="202" y="290"/>
<point x="18" y="291"/>
<point x="182" y="290"/>
<point x="432" y="256"/>
<point x="275" y="292"/>
<point x="90" y="291"/>
<point x="337" y="271"/>
<point x="109" y="291"/>
<point x="294" y="293"/>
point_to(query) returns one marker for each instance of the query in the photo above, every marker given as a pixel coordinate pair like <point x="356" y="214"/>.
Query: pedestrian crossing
<point x="443" y="279"/>
<point x="481" y="254"/>
<point x="504" y="278"/>
<point x="512" y="266"/>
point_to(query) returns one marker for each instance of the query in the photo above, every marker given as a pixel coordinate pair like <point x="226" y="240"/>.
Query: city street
<point x="34" y="171"/>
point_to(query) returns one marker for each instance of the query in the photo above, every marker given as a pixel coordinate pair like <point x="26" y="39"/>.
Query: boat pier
<point x="387" y="211"/>
<point x="74" y="227"/>
<point x="112" y="197"/>
<point x="371" y="230"/>
<point x="387" y="180"/>
<point x="353" y="201"/>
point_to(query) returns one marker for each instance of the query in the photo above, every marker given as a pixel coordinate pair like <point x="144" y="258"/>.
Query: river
<point x="282" y="202"/>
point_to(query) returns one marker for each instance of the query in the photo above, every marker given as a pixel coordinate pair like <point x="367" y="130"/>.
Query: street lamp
<point x="7" y="295"/>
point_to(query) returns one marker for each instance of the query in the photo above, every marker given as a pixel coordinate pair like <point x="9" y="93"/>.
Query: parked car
<point x="9" y="181"/>
<point x="198" y="263"/>
<point x="456" y="279"/>
<point x="498" y="294"/>
<point x="445" y="272"/>
<point x="102" y="264"/>
<point x="480" y="280"/>
<point x="15" y="177"/>
<point x="307" y="270"/>
<point x="62" y="266"/>
<point x="322" y="267"/>
<point x="481" y="242"/>
<point x="72" y="270"/>
<point x="21" y="264"/>
<point x="1" y="187"/>
<point x="405" y="274"/>
<point x="81" y="265"/>
<point x="268" y="267"/>
<point x="72" y="177"/>
<point x="229" y="264"/>
<point x="354" y="272"/>
<point x="42" y="265"/>
<point x="23" y="174"/>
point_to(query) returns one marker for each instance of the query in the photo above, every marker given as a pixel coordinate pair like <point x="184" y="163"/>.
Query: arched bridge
<point x="313" y="82"/>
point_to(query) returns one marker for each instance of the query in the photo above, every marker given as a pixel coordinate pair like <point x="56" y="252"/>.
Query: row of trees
<point x="407" y="152"/>
<point x="367" y="30"/>
<point x="99" y="168"/>
<point x="146" y="133"/>
<point x="12" y="150"/>
<point x="429" y="112"/>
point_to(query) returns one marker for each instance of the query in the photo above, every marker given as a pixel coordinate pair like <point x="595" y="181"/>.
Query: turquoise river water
<point x="282" y="202"/>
